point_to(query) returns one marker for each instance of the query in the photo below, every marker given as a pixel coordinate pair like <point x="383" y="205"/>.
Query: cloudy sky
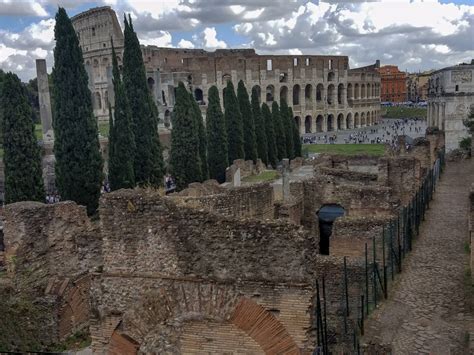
<point x="413" y="34"/>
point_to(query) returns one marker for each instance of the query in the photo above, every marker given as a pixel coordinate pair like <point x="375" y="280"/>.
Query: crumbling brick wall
<point x="48" y="250"/>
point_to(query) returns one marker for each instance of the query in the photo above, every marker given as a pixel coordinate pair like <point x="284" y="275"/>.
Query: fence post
<point x="367" y="278"/>
<point x="375" y="273"/>
<point x="362" y="314"/>
<point x="326" y="350"/>
<point x="385" y="292"/>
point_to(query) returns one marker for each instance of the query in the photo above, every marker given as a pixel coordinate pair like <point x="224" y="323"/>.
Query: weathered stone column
<point x="44" y="100"/>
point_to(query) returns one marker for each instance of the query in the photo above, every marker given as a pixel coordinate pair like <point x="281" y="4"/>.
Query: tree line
<point x="245" y="130"/>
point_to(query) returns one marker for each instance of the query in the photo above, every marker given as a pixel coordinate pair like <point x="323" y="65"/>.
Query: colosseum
<point x="325" y="94"/>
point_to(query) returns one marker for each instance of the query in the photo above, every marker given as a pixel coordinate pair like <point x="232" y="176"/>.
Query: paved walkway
<point x="427" y="312"/>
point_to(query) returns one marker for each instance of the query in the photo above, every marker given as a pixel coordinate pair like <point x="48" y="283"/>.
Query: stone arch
<point x="259" y="92"/>
<point x="307" y="124"/>
<point x="368" y="119"/>
<point x="98" y="100"/>
<point x="319" y="92"/>
<point x="362" y="119"/>
<point x="331" y="76"/>
<point x="296" y="94"/>
<point x="340" y="94"/>
<point x="308" y="93"/>
<point x="199" y="96"/>
<point x="167" y="120"/>
<point x="151" y="83"/>
<point x="106" y="99"/>
<point x="350" y="92"/>
<point x="368" y="91"/>
<point x="226" y="78"/>
<point x="144" y="326"/>
<point x="331" y="94"/>
<point x="284" y="94"/>
<point x="330" y="122"/>
<point x="269" y="93"/>
<point x="349" y="121"/>
<point x="362" y="91"/>
<point x="319" y="123"/>
<point x="356" y="120"/>
<point x="340" y="122"/>
<point x="356" y="91"/>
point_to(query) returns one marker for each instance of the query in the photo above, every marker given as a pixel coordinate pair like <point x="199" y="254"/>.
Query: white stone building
<point x="450" y="98"/>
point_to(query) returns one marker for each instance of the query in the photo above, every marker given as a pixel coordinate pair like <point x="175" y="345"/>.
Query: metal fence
<point x="383" y="260"/>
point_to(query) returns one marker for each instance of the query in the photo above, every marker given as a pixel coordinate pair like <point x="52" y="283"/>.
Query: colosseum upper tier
<point x="324" y="93"/>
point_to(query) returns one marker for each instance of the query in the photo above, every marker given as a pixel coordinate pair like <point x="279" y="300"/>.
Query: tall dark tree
<point x="76" y="145"/>
<point x="270" y="133"/>
<point x="260" y="135"/>
<point x="201" y="137"/>
<point x="121" y="139"/>
<point x="233" y="121"/>
<point x="22" y="156"/>
<point x="217" y="155"/>
<point x="250" y="145"/>
<point x="280" y="140"/>
<point x="287" y="124"/>
<point x="296" y="134"/>
<point x="185" y="162"/>
<point x="148" y="158"/>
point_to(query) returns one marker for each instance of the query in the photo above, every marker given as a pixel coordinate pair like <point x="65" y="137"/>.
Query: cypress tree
<point x="270" y="133"/>
<point x="202" y="139"/>
<point x="280" y="140"/>
<point x="148" y="157"/>
<point x="233" y="121"/>
<point x="217" y="155"/>
<point x="250" y="145"/>
<point x="260" y="135"/>
<point x="185" y="162"/>
<point x="121" y="141"/>
<point x="296" y="134"/>
<point x="22" y="155"/>
<point x="287" y="129"/>
<point x="76" y="145"/>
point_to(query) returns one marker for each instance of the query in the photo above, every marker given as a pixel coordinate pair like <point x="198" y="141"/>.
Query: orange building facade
<point x="393" y="84"/>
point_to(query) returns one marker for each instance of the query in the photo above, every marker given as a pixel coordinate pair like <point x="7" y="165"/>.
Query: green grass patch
<point x="404" y="112"/>
<point x="267" y="175"/>
<point x="39" y="131"/>
<point x="104" y="129"/>
<point x="345" y="149"/>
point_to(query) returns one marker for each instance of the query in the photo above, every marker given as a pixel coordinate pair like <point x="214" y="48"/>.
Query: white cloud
<point x="21" y="8"/>
<point x="185" y="44"/>
<point x="158" y="38"/>
<point x="294" y="51"/>
<point x="208" y="39"/>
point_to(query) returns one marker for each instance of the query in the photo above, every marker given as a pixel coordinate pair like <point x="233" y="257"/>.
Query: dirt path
<point x="427" y="312"/>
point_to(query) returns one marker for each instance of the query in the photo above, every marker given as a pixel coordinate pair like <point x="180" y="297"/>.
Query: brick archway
<point x="156" y="318"/>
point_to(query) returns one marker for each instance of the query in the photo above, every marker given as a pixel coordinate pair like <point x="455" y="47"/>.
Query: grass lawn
<point x="104" y="129"/>
<point x="38" y="131"/>
<point x="267" y="175"/>
<point x="404" y="112"/>
<point x="345" y="149"/>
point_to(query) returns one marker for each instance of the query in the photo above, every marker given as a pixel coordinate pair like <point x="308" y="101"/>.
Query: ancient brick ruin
<point x="214" y="268"/>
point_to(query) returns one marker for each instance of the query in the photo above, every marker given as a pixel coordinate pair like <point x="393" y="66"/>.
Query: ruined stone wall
<point x="342" y="176"/>
<point x="405" y="175"/>
<point x="49" y="249"/>
<point x="253" y="201"/>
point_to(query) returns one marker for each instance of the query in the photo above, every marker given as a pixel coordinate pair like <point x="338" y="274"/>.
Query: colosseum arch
<point x="362" y="120"/>
<point x="369" y="91"/>
<point x="199" y="96"/>
<point x="226" y="78"/>
<point x="319" y="92"/>
<point x="356" y="91"/>
<point x="167" y="120"/>
<point x="362" y="91"/>
<point x="269" y="93"/>
<point x="296" y="94"/>
<point x="350" y="92"/>
<point x="340" y="122"/>
<point x="340" y="94"/>
<point x="151" y="83"/>
<point x="319" y="123"/>
<point x="331" y="76"/>
<point x="331" y="94"/>
<point x="356" y="120"/>
<point x="98" y="100"/>
<point x="349" y="122"/>
<point x="160" y="323"/>
<point x="330" y="122"/>
<point x="308" y="124"/>
<point x="308" y="93"/>
<point x="259" y="92"/>
<point x="284" y="94"/>
<point x="368" y="119"/>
